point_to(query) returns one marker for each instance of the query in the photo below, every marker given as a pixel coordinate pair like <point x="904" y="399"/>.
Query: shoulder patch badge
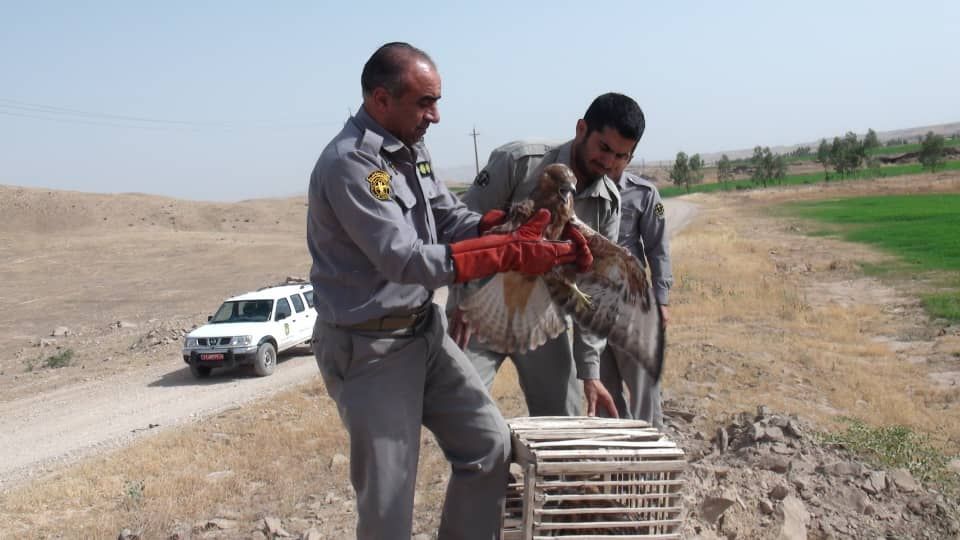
<point x="658" y="209"/>
<point x="482" y="179"/>
<point x="425" y="169"/>
<point x="379" y="182"/>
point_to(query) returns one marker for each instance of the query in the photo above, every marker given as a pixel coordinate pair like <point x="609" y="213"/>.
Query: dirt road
<point x="94" y="409"/>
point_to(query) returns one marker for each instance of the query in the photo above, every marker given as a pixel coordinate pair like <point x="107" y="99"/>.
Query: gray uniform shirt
<point x="511" y="175"/>
<point x="643" y="231"/>
<point x="377" y="225"/>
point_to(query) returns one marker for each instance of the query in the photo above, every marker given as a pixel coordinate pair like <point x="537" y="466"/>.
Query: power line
<point x="11" y="107"/>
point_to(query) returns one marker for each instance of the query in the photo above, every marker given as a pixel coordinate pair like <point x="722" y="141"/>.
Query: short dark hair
<point x="387" y="65"/>
<point x="617" y="111"/>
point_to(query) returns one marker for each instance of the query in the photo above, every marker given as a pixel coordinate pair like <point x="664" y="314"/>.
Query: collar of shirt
<point x="391" y="144"/>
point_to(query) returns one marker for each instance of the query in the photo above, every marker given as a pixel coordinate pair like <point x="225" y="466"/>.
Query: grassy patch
<point x="920" y="229"/>
<point x="59" y="360"/>
<point x="810" y="178"/>
<point x="944" y="305"/>
<point x="896" y="447"/>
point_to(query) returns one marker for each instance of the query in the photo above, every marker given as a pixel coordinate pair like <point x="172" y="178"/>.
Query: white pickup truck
<point x="250" y="329"/>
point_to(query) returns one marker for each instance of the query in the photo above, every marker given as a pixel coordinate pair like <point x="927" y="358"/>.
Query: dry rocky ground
<point x="757" y="368"/>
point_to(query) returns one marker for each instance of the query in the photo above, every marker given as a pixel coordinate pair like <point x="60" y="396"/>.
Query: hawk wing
<point x="513" y="313"/>
<point x="620" y="303"/>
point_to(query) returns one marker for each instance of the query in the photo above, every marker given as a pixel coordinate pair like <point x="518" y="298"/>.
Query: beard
<point x="580" y="165"/>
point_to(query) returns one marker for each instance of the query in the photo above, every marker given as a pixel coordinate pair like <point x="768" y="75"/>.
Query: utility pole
<point x="476" y="156"/>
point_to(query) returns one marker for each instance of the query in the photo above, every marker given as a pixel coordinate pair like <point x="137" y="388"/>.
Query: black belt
<point x="393" y="321"/>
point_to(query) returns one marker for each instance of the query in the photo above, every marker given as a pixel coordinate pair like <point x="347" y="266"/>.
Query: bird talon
<point x="582" y="298"/>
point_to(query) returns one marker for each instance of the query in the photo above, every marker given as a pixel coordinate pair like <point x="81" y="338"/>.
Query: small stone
<point x="762" y="412"/>
<point x="765" y="507"/>
<point x="773" y="463"/>
<point x="339" y="460"/>
<point x="713" y="507"/>
<point x="843" y="468"/>
<point x="273" y="527"/>
<point x="875" y="483"/>
<point x="127" y="534"/>
<point x="793" y="429"/>
<point x="773" y="434"/>
<point x="722" y="440"/>
<point x="60" y="331"/>
<point x="312" y="534"/>
<point x="779" y="492"/>
<point x="904" y="480"/>
<point x="223" y="524"/>
<point x="795" y="519"/>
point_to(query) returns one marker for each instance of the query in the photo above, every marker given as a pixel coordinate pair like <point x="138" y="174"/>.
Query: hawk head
<point x="555" y="190"/>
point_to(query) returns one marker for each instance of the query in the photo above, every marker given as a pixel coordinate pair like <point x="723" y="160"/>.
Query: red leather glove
<point x="490" y="220"/>
<point x="523" y="250"/>
<point x="584" y="257"/>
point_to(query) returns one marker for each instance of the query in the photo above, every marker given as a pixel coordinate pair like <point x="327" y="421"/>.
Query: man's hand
<point x="664" y="315"/>
<point x="594" y="391"/>
<point x="459" y="329"/>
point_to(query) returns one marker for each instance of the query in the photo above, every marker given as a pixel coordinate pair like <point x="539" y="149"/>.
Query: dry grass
<point x="756" y="320"/>
<point x="277" y="452"/>
<point x="766" y="316"/>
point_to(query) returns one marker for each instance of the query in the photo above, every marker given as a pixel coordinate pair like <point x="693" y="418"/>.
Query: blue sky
<point x="220" y="100"/>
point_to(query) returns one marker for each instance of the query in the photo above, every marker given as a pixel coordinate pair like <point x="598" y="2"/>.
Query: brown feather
<point x="621" y="306"/>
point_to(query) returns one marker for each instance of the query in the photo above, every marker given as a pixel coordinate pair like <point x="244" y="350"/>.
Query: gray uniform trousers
<point x="644" y="402"/>
<point x="386" y="384"/>
<point x="546" y="375"/>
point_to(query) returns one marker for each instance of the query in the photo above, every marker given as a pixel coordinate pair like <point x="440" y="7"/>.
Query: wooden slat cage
<point x="585" y="478"/>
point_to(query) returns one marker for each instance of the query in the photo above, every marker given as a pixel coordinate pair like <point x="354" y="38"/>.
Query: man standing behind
<point x="643" y="231"/>
<point x="383" y="233"/>
<point x="604" y="142"/>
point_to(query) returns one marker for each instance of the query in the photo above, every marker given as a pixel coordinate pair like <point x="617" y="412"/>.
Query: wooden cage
<point x="585" y="478"/>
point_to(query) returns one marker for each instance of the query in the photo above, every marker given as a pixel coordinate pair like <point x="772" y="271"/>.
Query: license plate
<point x="211" y="356"/>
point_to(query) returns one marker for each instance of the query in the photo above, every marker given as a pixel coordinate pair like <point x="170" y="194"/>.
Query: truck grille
<point x="213" y="342"/>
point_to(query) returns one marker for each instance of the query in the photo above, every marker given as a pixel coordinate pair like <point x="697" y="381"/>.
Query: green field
<point x="811" y="178"/>
<point x="904" y="148"/>
<point x="922" y="230"/>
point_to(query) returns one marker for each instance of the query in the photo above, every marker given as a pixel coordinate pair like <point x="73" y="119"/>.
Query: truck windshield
<point x="244" y="311"/>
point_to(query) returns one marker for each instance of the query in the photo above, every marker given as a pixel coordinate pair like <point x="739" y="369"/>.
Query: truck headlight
<point x="190" y="342"/>
<point x="241" y="340"/>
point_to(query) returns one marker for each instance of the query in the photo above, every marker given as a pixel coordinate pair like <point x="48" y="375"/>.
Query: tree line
<point x="845" y="155"/>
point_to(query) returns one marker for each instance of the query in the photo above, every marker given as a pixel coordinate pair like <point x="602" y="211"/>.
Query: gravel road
<point x="46" y="431"/>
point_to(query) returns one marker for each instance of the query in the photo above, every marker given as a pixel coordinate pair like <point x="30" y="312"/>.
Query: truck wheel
<point x="266" y="359"/>
<point x="200" y="372"/>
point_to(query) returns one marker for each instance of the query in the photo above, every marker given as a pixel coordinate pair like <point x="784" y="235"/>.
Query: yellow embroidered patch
<point x="658" y="209"/>
<point x="379" y="182"/>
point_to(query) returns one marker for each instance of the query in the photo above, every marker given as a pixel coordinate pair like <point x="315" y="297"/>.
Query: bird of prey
<point x="513" y="312"/>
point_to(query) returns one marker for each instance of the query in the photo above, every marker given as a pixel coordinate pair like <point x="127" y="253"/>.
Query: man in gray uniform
<point x="643" y="231"/>
<point x="383" y="233"/>
<point x="604" y="142"/>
